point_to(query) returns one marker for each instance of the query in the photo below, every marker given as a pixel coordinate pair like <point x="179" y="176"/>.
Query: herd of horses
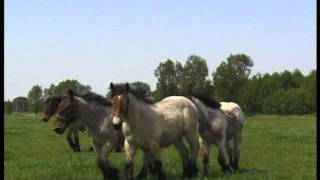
<point x="130" y="119"/>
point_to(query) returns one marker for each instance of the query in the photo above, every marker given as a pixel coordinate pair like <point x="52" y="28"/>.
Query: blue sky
<point x="98" y="42"/>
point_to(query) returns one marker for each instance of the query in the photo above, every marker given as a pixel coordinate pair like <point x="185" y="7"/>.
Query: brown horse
<point x="95" y="112"/>
<point x="72" y="134"/>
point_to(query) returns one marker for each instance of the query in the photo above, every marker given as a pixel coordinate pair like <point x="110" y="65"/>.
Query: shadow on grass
<point x="172" y="176"/>
<point x="252" y="170"/>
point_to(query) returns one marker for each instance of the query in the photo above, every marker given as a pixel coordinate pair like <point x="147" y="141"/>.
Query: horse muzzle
<point x="59" y="130"/>
<point x="117" y="123"/>
<point x="44" y="119"/>
<point x="117" y="126"/>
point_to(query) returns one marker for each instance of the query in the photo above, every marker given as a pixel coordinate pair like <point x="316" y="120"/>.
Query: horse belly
<point x="172" y="130"/>
<point x="210" y="137"/>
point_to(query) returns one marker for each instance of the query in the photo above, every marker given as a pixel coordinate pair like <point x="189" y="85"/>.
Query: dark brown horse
<point x="72" y="134"/>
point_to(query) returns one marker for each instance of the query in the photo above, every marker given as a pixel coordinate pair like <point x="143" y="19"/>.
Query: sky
<point x="98" y="42"/>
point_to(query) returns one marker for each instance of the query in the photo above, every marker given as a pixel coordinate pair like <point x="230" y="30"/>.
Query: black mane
<point x="207" y="100"/>
<point x="146" y="99"/>
<point x="138" y="92"/>
<point x="90" y="96"/>
<point x="54" y="98"/>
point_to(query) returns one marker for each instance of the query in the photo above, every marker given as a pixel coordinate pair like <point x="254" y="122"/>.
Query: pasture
<point x="274" y="147"/>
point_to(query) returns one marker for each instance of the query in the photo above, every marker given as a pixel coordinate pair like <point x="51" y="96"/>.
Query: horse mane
<point x="93" y="97"/>
<point x="54" y="98"/>
<point x="206" y="99"/>
<point x="146" y="99"/>
<point x="138" y="92"/>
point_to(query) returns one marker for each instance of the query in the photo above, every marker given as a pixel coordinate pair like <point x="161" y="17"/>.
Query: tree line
<point x="277" y="93"/>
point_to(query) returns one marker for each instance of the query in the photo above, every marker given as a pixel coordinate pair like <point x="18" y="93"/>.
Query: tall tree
<point x="35" y="97"/>
<point x="194" y="74"/>
<point x="138" y="86"/>
<point x="230" y="77"/>
<point x="63" y="86"/>
<point x="310" y="86"/>
<point x="168" y="75"/>
<point x="8" y="107"/>
<point x="20" y="104"/>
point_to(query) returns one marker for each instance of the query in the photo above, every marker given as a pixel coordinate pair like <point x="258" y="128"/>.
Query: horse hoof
<point x="228" y="169"/>
<point x="114" y="173"/>
<point x="162" y="176"/>
<point x="141" y="175"/>
<point x="118" y="150"/>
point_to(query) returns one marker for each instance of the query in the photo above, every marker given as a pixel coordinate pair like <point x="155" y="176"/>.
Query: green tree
<point x="168" y="76"/>
<point x="231" y="76"/>
<point x="20" y="104"/>
<point x="194" y="74"/>
<point x="8" y="107"/>
<point x="63" y="86"/>
<point x="251" y="97"/>
<point x="138" y="86"/>
<point x="35" y="97"/>
<point x="309" y="85"/>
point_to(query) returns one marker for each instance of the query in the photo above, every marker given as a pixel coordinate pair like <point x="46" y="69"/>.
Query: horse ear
<point x="189" y="91"/>
<point x="111" y="86"/>
<point x="70" y="94"/>
<point x="127" y="89"/>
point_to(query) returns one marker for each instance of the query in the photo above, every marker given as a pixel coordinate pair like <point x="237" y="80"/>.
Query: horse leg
<point x="91" y="149"/>
<point x="120" y="141"/>
<point x="130" y="151"/>
<point x="76" y="139"/>
<point x="230" y="151"/>
<point x="103" y="152"/>
<point x="205" y="147"/>
<point x="147" y="159"/>
<point x="237" y="143"/>
<point x="193" y="140"/>
<point x="223" y="157"/>
<point x="183" y="152"/>
<point x="69" y="139"/>
<point x="157" y="164"/>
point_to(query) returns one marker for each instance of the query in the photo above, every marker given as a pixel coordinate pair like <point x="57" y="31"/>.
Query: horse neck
<point x="203" y="114"/>
<point x="138" y="111"/>
<point x="92" y="114"/>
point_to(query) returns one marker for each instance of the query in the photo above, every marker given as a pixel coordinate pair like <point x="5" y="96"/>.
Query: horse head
<point x="50" y="108"/>
<point x="66" y="113"/>
<point x="120" y="106"/>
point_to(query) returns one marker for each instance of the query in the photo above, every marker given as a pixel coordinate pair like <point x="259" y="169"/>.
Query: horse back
<point x="233" y="108"/>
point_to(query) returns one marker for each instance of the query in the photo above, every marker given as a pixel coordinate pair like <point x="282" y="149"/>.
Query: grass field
<point x="274" y="147"/>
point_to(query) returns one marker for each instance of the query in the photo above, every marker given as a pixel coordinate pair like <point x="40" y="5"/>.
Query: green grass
<point x="274" y="147"/>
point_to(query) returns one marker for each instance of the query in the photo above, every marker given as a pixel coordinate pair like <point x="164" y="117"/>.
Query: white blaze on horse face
<point x="116" y="120"/>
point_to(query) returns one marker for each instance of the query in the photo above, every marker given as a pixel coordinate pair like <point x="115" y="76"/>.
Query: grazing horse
<point x="72" y="135"/>
<point x="95" y="112"/>
<point x="154" y="126"/>
<point x="213" y="127"/>
<point x="235" y="119"/>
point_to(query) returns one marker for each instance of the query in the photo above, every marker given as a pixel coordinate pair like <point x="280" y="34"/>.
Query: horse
<point x="72" y="134"/>
<point x="95" y="111"/>
<point x="212" y="128"/>
<point x="152" y="126"/>
<point x="235" y="119"/>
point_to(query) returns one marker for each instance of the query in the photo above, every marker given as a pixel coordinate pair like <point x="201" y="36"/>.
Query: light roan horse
<point x="235" y="119"/>
<point x="154" y="126"/>
<point x="95" y="112"/>
<point x="212" y="129"/>
<point x="72" y="134"/>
